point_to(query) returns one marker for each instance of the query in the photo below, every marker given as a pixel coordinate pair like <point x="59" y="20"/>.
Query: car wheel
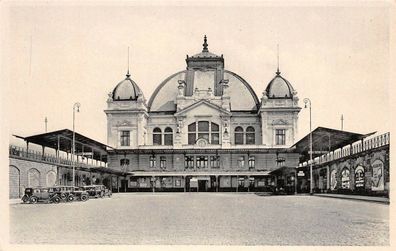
<point x="84" y="198"/>
<point x="25" y="198"/>
<point x="63" y="196"/>
<point x="33" y="199"/>
<point x="70" y="198"/>
<point x="56" y="200"/>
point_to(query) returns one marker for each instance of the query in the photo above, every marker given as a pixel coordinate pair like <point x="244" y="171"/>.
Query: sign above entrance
<point x="300" y="174"/>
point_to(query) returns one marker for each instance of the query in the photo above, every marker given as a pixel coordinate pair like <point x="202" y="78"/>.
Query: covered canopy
<point x="62" y="140"/>
<point x="325" y="140"/>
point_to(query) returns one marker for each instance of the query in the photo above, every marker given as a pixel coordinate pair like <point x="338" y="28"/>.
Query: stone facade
<point x="23" y="173"/>
<point x="202" y="119"/>
<point x="365" y="173"/>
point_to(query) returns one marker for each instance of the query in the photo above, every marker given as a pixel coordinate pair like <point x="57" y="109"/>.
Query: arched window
<point x="215" y="133"/>
<point x="203" y="129"/>
<point x="168" y="136"/>
<point x="192" y="137"/>
<point x="239" y="135"/>
<point x="250" y="136"/>
<point x="51" y="178"/>
<point x="33" y="177"/>
<point x="157" y="136"/>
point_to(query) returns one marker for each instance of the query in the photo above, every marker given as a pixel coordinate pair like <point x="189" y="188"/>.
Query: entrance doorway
<point x="124" y="185"/>
<point x="202" y="185"/>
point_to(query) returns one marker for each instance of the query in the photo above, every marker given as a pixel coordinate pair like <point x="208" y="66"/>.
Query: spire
<point x="205" y="45"/>
<point x="128" y="75"/>
<point x="277" y="54"/>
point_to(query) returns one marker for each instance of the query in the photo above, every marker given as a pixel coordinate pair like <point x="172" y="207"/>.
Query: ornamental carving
<point x="280" y="122"/>
<point x="124" y="123"/>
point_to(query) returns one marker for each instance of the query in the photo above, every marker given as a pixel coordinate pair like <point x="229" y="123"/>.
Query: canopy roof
<point x="62" y="140"/>
<point x="325" y="140"/>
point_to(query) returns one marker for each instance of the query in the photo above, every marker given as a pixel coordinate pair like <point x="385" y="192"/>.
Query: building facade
<point x="203" y="128"/>
<point x="360" y="167"/>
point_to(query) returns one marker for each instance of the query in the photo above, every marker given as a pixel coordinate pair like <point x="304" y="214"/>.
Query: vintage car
<point x="40" y="194"/>
<point x="97" y="191"/>
<point x="80" y="194"/>
<point x="66" y="193"/>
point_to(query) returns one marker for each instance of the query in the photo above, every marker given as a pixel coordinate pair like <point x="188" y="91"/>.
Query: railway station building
<point x="203" y="129"/>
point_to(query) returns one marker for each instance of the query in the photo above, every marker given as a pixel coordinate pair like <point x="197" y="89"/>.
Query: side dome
<point x="127" y="89"/>
<point x="279" y="87"/>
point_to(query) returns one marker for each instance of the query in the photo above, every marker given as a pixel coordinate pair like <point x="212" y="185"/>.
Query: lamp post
<point x="76" y="105"/>
<point x="308" y="101"/>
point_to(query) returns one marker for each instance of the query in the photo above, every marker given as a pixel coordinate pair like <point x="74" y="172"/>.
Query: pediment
<point x="203" y="107"/>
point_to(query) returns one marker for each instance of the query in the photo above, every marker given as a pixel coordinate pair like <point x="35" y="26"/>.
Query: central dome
<point x="241" y="94"/>
<point x="205" y="71"/>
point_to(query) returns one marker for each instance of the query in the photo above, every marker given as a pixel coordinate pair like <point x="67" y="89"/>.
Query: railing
<point x="354" y="148"/>
<point x="21" y="152"/>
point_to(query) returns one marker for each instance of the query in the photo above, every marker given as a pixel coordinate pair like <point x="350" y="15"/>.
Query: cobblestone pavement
<point x="202" y="218"/>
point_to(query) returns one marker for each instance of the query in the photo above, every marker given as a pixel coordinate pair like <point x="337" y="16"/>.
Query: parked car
<point x="80" y="194"/>
<point x="40" y="194"/>
<point x="97" y="191"/>
<point x="66" y="193"/>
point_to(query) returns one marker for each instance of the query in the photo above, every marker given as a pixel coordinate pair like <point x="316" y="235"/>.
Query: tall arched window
<point x="239" y="135"/>
<point x="192" y="137"/>
<point x="214" y="128"/>
<point x="250" y="136"/>
<point x="157" y="136"/>
<point x="203" y="130"/>
<point x="168" y="136"/>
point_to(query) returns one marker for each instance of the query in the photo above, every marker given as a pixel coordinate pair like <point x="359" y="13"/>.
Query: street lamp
<point x="308" y="101"/>
<point x="76" y="105"/>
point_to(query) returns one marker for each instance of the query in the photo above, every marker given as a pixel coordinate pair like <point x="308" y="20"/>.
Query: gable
<point x="202" y="108"/>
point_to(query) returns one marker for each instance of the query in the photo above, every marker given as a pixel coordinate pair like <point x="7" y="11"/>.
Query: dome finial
<point x="277" y="70"/>
<point x="128" y="75"/>
<point x="205" y="45"/>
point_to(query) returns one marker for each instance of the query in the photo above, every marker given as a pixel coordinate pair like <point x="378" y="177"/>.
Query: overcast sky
<point x="56" y="55"/>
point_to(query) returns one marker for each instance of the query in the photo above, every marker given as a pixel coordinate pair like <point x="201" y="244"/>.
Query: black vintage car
<point x="40" y="194"/>
<point x="97" y="191"/>
<point x="66" y="193"/>
<point x="80" y="194"/>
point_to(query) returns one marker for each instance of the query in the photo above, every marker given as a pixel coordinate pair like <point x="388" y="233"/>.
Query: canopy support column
<point x="217" y="183"/>
<point x="248" y="178"/>
<point x="237" y="183"/>
<point x="185" y="183"/>
<point x="57" y="150"/>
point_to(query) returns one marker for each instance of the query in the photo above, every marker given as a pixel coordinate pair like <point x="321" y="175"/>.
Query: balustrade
<point x="16" y="151"/>
<point x="358" y="146"/>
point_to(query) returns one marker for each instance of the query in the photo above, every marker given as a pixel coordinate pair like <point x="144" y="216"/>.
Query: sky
<point x="54" y="55"/>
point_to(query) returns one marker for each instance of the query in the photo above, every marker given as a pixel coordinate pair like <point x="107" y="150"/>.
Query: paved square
<point x="202" y="218"/>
